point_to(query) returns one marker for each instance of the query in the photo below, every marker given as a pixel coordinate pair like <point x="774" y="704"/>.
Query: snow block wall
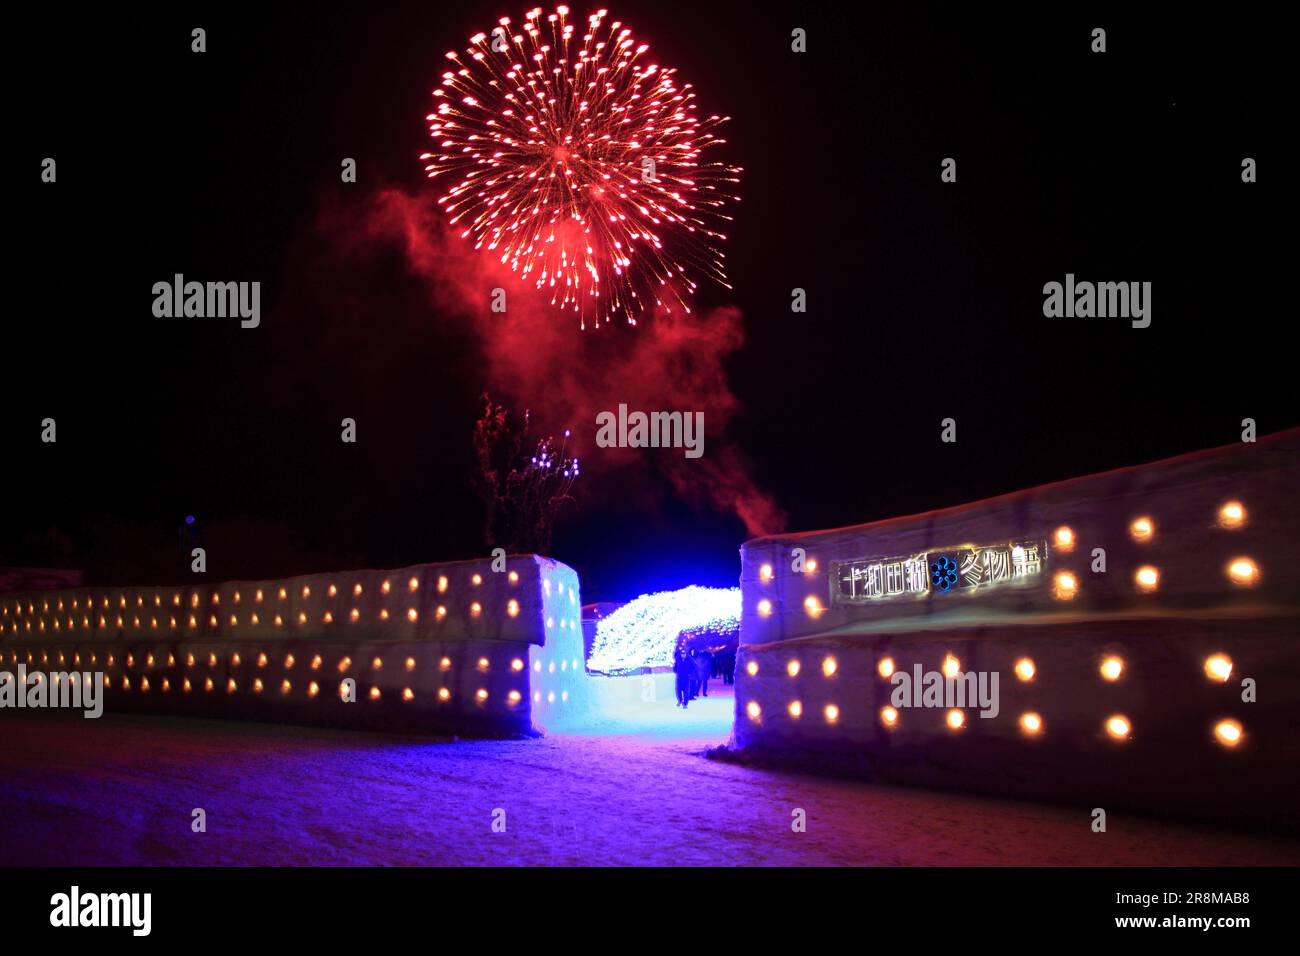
<point x="454" y="647"/>
<point x="1142" y="626"/>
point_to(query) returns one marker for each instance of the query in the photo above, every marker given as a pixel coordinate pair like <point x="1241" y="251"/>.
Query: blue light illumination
<point x="643" y="632"/>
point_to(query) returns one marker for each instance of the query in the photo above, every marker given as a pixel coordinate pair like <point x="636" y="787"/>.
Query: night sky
<point x="925" y="298"/>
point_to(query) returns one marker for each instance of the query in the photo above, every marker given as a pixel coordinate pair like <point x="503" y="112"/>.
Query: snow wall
<point x="453" y="647"/>
<point x="1169" y="682"/>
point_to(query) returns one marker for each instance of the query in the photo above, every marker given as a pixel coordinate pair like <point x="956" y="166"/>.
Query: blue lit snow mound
<point x="642" y="633"/>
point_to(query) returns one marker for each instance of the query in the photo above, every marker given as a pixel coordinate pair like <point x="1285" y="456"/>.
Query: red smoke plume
<point x="535" y="357"/>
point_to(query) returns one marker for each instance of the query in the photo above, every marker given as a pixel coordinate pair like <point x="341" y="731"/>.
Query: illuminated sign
<point x="863" y="580"/>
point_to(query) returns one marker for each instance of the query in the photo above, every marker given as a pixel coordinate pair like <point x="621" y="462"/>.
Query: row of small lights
<point x="332" y="590"/>
<point x="313" y="688"/>
<point x="1241" y="571"/>
<point x="236" y="660"/>
<point x="412" y="615"/>
<point x="1217" y="667"/>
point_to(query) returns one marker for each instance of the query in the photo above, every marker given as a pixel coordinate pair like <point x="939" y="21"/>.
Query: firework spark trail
<point x="582" y="166"/>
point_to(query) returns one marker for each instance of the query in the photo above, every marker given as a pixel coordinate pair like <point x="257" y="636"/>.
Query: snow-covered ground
<point x="629" y="789"/>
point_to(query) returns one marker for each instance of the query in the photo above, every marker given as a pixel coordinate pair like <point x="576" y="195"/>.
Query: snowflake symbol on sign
<point x="943" y="573"/>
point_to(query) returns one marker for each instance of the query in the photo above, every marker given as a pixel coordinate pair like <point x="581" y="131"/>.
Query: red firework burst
<point x="580" y="164"/>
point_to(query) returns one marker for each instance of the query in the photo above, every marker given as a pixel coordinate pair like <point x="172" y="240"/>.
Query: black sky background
<point x="924" y="298"/>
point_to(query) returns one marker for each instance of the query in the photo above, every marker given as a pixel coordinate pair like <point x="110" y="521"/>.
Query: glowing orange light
<point x="1243" y="572"/>
<point x="765" y="572"/>
<point x="1064" y="538"/>
<point x="1218" y="667"/>
<point x="955" y="719"/>
<point x="442" y="584"/>
<point x="377" y="664"/>
<point x="412" y="615"/>
<point x="375" y="693"/>
<point x="951" y="666"/>
<point x="313" y="689"/>
<point x="889" y="716"/>
<point x="1065" y="586"/>
<point x="512" y="607"/>
<point x="476" y="580"/>
<point x="829" y="666"/>
<point x="1228" y="732"/>
<point x="886" y="667"/>
<point x="482" y="663"/>
<point x="475" y="609"/>
<point x="1031" y="723"/>
<point x="413" y="584"/>
<point x="1025" y="669"/>
<point x="1118" y="727"/>
<point x="482" y="694"/>
<point x="810" y="566"/>
<point x="1142" y="529"/>
<point x="1147" y="578"/>
<point x="408" y="694"/>
<point x="257" y="685"/>
<point x="792" y="668"/>
<point x="753" y="710"/>
<point x="1232" y="515"/>
<point x="344" y="665"/>
<point x="765" y="607"/>
<point x="812" y="606"/>
<point x="410" y="663"/>
<point x="1111" y="668"/>
<point x="795" y="709"/>
<point x="285" y="686"/>
<point x="516" y="664"/>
